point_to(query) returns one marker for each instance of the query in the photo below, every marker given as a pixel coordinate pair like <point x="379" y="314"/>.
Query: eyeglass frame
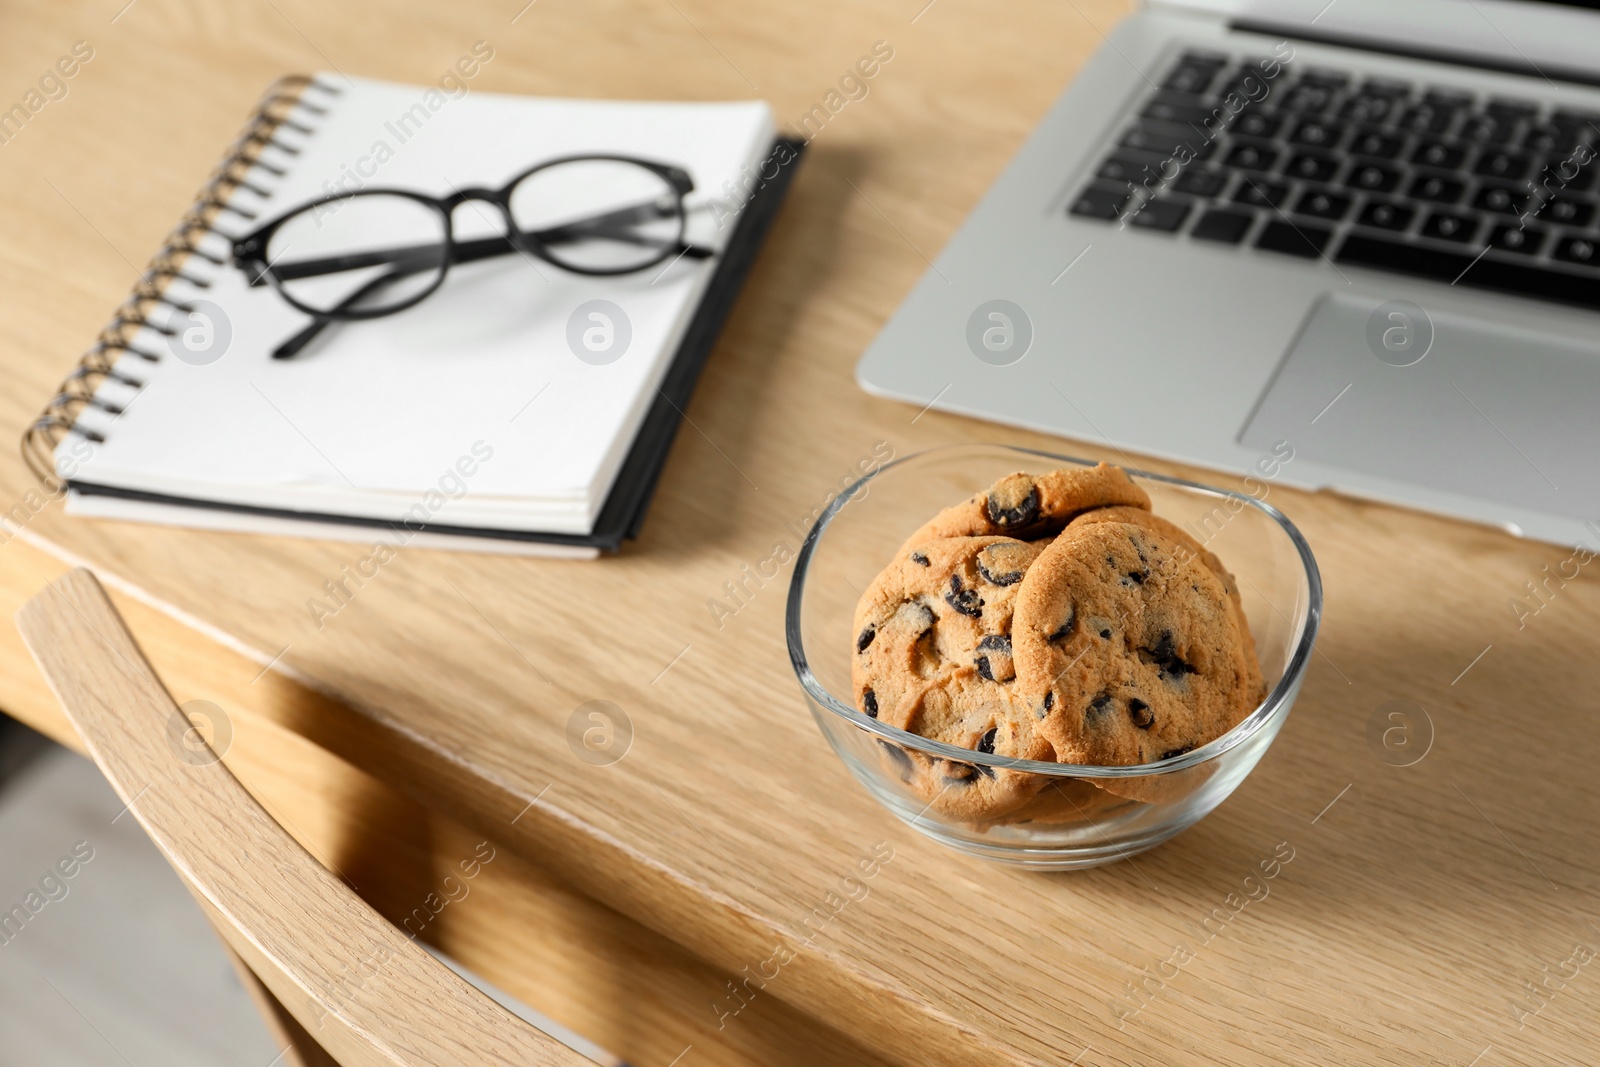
<point x="249" y="251"/>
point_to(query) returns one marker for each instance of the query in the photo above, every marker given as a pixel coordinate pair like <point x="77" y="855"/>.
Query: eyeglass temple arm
<point x="419" y="258"/>
<point x="291" y="348"/>
<point x="467" y="252"/>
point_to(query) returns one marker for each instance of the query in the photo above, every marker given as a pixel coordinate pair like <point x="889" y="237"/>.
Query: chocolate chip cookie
<point x="1128" y="647"/>
<point x="1034" y="506"/>
<point x="933" y="656"/>
<point x="1151" y="521"/>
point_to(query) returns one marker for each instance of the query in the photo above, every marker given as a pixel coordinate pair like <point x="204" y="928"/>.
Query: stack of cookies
<point x="1053" y="617"/>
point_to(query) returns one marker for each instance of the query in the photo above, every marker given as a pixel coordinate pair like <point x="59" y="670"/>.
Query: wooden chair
<point x="333" y="978"/>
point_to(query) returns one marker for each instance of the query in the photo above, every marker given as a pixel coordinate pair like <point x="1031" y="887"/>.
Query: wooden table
<point x="432" y="712"/>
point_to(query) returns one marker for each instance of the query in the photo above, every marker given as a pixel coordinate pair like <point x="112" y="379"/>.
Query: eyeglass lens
<point x="599" y="215"/>
<point x="370" y="252"/>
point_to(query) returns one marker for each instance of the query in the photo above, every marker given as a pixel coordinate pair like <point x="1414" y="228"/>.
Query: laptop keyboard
<point x="1423" y="180"/>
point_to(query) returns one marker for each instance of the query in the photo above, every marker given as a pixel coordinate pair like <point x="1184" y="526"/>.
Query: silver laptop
<point x="1341" y="244"/>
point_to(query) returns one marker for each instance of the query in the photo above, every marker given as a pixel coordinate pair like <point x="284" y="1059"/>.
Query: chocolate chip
<point x="898" y="754"/>
<point x="996" y="569"/>
<point x="869" y="704"/>
<point x="1098" y="707"/>
<point x="986" y="742"/>
<point x="994" y="660"/>
<point x="965" y="601"/>
<point x="1013" y="502"/>
<point x="920" y="560"/>
<point x="1166" y="657"/>
<point x="963" y="773"/>
<point x="1067" y="627"/>
<point x="1169" y="753"/>
<point x="1136" y="577"/>
<point x="1049" y="700"/>
<point x="1106" y="634"/>
<point x="867" y="634"/>
<point x="958" y="773"/>
<point x="1139" y="712"/>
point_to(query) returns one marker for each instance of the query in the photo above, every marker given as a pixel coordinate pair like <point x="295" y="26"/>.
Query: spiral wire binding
<point x="182" y="245"/>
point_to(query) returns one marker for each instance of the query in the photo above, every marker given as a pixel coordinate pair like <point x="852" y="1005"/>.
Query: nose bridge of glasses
<point x="476" y="192"/>
<point x="486" y="213"/>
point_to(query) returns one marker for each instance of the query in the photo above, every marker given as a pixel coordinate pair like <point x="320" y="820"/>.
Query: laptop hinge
<point x="1437" y="55"/>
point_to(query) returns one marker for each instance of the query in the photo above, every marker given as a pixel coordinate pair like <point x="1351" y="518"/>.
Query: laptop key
<point x="1582" y="250"/>
<point x="1386" y="216"/>
<point x="1257" y="123"/>
<point x="1449" y="226"/>
<point x="1526" y="240"/>
<point x="1131" y="167"/>
<point x="1367" y="108"/>
<point x="1466" y="268"/>
<point x="1552" y="138"/>
<point x="1567" y="174"/>
<point x="1318" y="133"/>
<point x="1223" y="224"/>
<point x="1248" y="156"/>
<point x="1324" y="76"/>
<point x="1167" y="139"/>
<point x="1192" y="74"/>
<point x="1501" y="199"/>
<point x="1248" y="82"/>
<point x="1438" y="190"/>
<point x="1376" y="144"/>
<point x="1426" y="118"/>
<point x="1438" y="154"/>
<point x="1180" y="109"/>
<point x="1099" y="202"/>
<point x="1294" y="239"/>
<point x="1567" y="210"/>
<point x="1256" y="191"/>
<point x="1312" y="166"/>
<point x="1392" y="88"/>
<point x="1372" y="178"/>
<point x="1500" y="163"/>
<point x="1308" y="98"/>
<point x="1453" y="99"/>
<point x="1481" y="128"/>
<point x="1200" y="181"/>
<point x="1164" y="215"/>
<point x="1322" y="205"/>
<point x="1584" y="120"/>
<point x="1512" y="109"/>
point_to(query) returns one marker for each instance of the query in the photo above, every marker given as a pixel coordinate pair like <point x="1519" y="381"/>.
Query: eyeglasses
<point x="374" y="252"/>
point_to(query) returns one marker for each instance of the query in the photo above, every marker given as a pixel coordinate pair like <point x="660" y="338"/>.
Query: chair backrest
<point x="363" y="990"/>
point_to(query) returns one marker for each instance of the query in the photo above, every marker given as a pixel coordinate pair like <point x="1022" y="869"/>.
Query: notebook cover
<point x="622" y="515"/>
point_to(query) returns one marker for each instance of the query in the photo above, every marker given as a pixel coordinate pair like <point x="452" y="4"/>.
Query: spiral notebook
<point x="468" y="420"/>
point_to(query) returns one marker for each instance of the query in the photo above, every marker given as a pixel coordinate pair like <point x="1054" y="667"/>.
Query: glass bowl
<point x="1080" y="816"/>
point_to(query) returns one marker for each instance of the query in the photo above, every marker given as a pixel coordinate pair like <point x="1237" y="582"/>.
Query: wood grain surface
<point x="1431" y="913"/>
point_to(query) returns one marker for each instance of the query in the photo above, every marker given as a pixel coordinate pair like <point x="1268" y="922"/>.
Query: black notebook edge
<point x="622" y="515"/>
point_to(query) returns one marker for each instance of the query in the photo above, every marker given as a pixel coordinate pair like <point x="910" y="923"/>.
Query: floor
<point x="112" y="964"/>
<point x="117" y="966"/>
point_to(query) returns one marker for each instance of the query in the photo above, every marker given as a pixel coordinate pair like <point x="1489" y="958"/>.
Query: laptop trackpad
<point x="1440" y="400"/>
